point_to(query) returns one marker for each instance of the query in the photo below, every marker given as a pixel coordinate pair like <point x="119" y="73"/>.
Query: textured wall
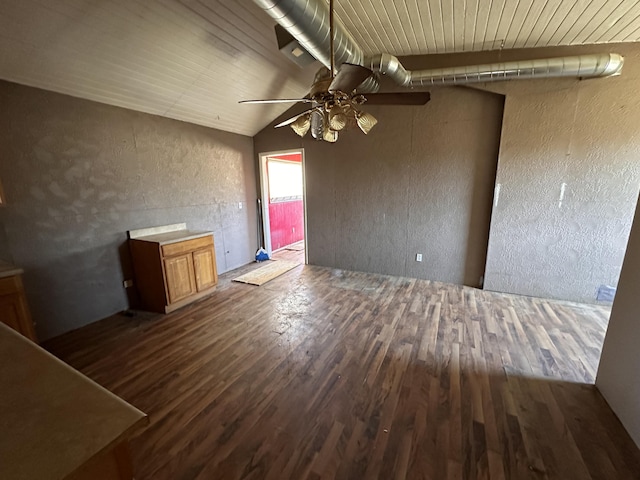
<point x="620" y="361"/>
<point x="581" y="137"/>
<point x="78" y="175"/>
<point x="420" y="182"/>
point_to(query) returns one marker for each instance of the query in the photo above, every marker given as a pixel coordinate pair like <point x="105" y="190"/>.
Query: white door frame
<point x="264" y="196"/>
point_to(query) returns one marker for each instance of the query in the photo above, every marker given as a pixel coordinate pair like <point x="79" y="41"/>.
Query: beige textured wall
<point x="79" y="174"/>
<point x="619" y="371"/>
<point x="585" y="135"/>
<point x="420" y="182"/>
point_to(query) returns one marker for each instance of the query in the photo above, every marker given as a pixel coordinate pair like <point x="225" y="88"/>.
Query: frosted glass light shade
<point x="330" y="135"/>
<point x="366" y="121"/>
<point x="301" y="125"/>
<point x="337" y="118"/>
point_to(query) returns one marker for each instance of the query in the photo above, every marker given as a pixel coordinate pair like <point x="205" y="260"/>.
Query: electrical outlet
<point x="127" y="283"/>
<point x="239" y="205"/>
<point x="418" y="257"/>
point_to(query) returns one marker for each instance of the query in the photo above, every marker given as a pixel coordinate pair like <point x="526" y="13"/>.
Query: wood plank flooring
<point x="325" y="374"/>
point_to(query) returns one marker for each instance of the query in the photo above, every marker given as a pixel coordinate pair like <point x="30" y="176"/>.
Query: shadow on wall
<point x="71" y="290"/>
<point x="128" y="273"/>
<point x="482" y="198"/>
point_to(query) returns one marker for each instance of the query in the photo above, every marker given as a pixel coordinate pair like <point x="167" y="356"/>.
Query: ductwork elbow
<point x="613" y="63"/>
<point x="390" y="66"/>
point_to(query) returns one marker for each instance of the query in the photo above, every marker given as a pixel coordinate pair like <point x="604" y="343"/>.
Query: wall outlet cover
<point x="418" y="257"/>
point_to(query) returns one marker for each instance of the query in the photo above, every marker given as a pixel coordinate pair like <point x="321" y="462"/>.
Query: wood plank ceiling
<point x="188" y="60"/>
<point x="192" y="60"/>
<point x="411" y="27"/>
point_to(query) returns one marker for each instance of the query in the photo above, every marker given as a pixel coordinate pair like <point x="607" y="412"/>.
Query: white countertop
<point x="53" y="419"/>
<point x="173" y="237"/>
<point x="166" y="234"/>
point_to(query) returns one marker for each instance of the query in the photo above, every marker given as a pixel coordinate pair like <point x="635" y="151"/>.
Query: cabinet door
<point x="204" y="262"/>
<point x="179" y="275"/>
<point x="14" y="312"/>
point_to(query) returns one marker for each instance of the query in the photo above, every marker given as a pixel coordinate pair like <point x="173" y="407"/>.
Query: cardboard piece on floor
<point x="271" y="270"/>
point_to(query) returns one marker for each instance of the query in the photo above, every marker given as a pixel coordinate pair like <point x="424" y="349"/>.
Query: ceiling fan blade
<point x="349" y="76"/>
<point x="408" y="98"/>
<point x="294" y="118"/>
<point x="278" y="100"/>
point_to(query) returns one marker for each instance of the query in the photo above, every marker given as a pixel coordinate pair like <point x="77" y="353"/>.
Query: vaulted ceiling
<point x="193" y="60"/>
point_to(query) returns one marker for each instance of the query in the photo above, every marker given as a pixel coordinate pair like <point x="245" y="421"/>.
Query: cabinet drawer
<point x="186" y="246"/>
<point x="10" y="285"/>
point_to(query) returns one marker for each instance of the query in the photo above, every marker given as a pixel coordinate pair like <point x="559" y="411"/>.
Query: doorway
<point x="283" y="204"/>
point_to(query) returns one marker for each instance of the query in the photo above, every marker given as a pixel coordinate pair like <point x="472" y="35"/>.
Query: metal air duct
<point x="308" y="22"/>
<point x="596" y="65"/>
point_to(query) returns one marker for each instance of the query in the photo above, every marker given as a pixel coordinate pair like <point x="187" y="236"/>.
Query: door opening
<point x="284" y="213"/>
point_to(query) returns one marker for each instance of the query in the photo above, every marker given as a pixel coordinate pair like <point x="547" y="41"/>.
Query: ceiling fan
<point x="335" y="104"/>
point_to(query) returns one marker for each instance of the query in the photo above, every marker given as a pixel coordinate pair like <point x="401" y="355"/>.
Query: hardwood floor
<point x="324" y="373"/>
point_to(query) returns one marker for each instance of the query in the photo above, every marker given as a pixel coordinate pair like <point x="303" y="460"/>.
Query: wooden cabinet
<point x="172" y="274"/>
<point x="180" y="277"/>
<point x="14" y="311"/>
<point x="204" y="266"/>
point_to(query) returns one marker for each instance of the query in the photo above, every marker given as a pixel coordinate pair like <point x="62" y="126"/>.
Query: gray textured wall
<point x="620" y="362"/>
<point x="420" y="182"/>
<point x="78" y="175"/>
<point x="586" y="135"/>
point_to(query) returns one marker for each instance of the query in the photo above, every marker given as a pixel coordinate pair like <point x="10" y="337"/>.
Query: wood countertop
<point x="53" y="419"/>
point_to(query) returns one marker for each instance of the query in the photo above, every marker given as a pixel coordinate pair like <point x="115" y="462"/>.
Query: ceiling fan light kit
<point x="302" y="124"/>
<point x="335" y="104"/>
<point x="338" y="118"/>
<point x="366" y="121"/>
<point x="329" y="135"/>
<point x="336" y="97"/>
